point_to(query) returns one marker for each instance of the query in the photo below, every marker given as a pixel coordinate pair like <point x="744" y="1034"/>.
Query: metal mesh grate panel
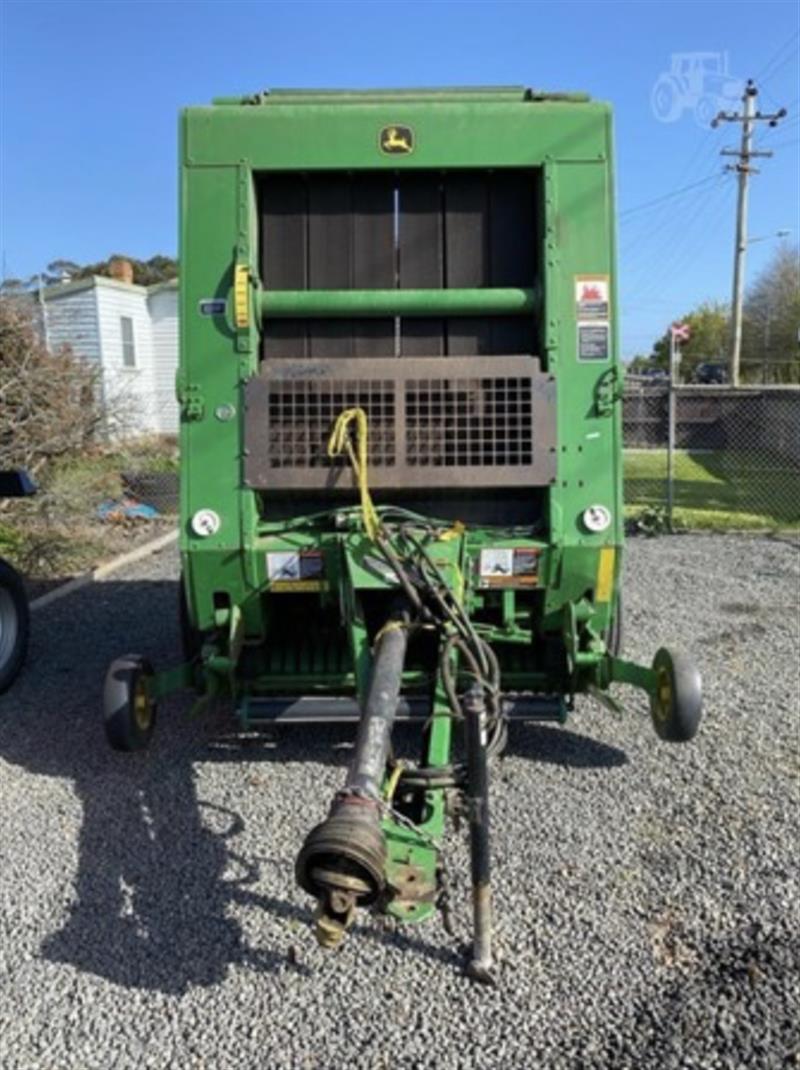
<point x="302" y="414"/>
<point x="468" y="422"/>
<point x="433" y="422"/>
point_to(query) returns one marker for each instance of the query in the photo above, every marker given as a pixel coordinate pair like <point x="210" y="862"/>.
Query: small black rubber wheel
<point x="129" y="711"/>
<point x="676" y="707"/>
<point x="14" y="625"/>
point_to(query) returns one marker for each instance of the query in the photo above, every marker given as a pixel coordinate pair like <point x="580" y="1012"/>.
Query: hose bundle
<point x="428" y="592"/>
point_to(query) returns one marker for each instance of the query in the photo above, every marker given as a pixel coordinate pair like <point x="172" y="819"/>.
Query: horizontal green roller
<point x="303" y="304"/>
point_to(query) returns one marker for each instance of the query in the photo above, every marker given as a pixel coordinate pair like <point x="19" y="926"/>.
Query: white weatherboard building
<point x="132" y="333"/>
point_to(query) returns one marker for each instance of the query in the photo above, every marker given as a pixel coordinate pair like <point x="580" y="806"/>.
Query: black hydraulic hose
<point x="368" y="764"/>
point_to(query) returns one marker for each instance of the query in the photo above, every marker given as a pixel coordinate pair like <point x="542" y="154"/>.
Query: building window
<point x="128" y="343"/>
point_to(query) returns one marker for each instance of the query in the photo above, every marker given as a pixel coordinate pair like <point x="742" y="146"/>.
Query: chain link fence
<point x="735" y="461"/>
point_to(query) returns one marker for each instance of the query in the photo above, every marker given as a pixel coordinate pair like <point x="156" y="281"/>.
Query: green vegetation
<point x="158" y="268"/>
<point x="78" y="482"/>
<point x="769" y="342"/>
<point x="708" y="340"/>
<point x="716" y="489"/>
<point x="57" y="533"/>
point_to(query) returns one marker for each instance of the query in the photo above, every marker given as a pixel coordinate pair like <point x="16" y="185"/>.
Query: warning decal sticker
<point x="292" y="570"/>
<point x="593" y="313"/>
<point x="509" y="567"/>
<point x="591" y="297"/>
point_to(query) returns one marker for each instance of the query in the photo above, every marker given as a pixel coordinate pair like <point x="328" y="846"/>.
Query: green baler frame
<point x="235" y="610"/>
<point x="222" y="148"/>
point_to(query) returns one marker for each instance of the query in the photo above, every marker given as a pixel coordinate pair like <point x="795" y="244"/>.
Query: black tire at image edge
<point x="14" y="625"/>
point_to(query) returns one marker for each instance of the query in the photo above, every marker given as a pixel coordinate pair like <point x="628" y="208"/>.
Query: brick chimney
<point x="121" y="269"/>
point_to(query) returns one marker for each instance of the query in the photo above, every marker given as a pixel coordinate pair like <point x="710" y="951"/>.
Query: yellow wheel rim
<point x="663" y="694"/>
<point x="142" y="709"/>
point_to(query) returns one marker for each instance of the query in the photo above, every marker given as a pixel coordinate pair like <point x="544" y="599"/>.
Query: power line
<point x="650" y="228"/>
<point x="785" y="144"/>
<point x="688" y="212"/>
<point x="667" y="196"/>
<point x="673" y="259"/>
<point x="695" y="230"/>
<point x="762" y="75"/>
<point x="663" y="214"/>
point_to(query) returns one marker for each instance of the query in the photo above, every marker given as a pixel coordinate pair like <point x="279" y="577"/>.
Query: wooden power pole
<point x="748" y="117"/>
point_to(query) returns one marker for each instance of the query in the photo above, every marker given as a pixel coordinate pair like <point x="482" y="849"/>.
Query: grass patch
<point x="716" y="488"/>
<point x="57" y="533"/>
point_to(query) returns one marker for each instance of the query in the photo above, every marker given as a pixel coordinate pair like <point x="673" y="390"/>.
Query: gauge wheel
<point x="129" y="710"/>
<point x="14" y="625"/>
<point x="676" y="706"/>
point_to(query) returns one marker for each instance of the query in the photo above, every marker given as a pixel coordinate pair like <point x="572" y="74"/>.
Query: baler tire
<point x="677" y="706"/>
<point x="129" y="713"/>
<point x="14" y="625"/>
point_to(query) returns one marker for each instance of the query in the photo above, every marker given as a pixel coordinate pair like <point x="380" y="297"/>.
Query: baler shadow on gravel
<point x="401" y="467"/>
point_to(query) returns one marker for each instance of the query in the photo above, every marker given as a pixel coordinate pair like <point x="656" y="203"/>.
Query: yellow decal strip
<point x="241" y="303"/>
<point x="605" y="575"/>
<point x="297" y="586"/>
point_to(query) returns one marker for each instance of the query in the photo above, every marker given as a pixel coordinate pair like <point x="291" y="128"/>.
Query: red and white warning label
<point x="591" y="297"/>
<point x="593" y="313"/>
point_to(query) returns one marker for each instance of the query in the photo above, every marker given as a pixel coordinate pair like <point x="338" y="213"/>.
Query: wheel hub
<point x="141" y="707"/>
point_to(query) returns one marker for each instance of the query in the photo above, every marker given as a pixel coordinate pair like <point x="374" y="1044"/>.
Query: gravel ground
<point x="647" y="895"/>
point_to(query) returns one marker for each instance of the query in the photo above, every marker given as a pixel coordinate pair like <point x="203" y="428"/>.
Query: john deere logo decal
<point x="397" y="140"/>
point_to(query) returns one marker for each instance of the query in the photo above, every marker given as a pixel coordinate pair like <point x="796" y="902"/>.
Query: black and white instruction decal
<point x="593" y="341"/>
<point x="509" y="567"/>
<point x="293" y="570"/>
<point x="593" y="313"/>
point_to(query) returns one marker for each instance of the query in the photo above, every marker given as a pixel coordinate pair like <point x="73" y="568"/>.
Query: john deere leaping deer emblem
<point x="397" y="140"/>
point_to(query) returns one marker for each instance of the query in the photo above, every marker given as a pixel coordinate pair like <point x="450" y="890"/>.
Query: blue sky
<point x="90" y="93"/>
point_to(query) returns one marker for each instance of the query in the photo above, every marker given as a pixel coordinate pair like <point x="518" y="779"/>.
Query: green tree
<point x="639" y="364"/>
<point x="770" y="352"/>
<point x="158" y="268"/>
<point x="708" y="339"/>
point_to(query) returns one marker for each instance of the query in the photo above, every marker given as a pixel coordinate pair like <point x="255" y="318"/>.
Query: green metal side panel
<point x="453" y="134"/>
<point x="221" y="149"/>
<point x="210" y="374"/>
